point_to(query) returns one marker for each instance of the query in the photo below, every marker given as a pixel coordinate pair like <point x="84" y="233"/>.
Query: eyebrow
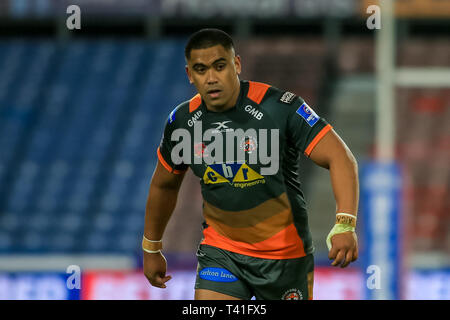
<point x="203" y="65"/>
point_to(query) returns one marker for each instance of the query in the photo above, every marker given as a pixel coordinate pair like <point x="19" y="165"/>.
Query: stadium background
<point x="82" y="112"/>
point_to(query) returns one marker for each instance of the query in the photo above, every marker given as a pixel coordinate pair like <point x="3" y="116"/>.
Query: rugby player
<point x="256" y="240"/>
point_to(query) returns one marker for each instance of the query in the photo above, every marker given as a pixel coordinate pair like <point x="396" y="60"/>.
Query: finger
<point x="348" y="258"/>
<point x="340" y="256"/>
<point x="165" y="279"/>
<point x="150" y="279"/>
<point x="156" y="281"/>
<point x="162" y="280"/>
<point x="333" y="252"/>
<point x="355" y="254"/>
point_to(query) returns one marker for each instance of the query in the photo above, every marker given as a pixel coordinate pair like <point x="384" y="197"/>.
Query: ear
<point x="189" y="74"/>
<point x="237" y="63"/>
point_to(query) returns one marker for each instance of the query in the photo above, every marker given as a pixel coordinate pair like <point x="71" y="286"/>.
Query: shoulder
<point x="269" y="96"/>
<point x="184" y="110"/>
<point x="257" y="91"/>
<point x="283" y="98"/>
<point x="260" y="92"/>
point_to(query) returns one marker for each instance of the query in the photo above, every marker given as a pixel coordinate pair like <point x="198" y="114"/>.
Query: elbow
<point x="351" y="161"/>
<point x="343" y="160"/>
<point x="165" y="186"/>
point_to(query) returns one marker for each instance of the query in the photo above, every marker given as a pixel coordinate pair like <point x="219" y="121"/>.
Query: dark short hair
<point x="207" y="38"/>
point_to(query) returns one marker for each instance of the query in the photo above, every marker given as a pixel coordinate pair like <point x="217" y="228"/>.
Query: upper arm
<point x="168" y="173"/>
<point x="330" y="147"/>
<point x="164" y="179"/>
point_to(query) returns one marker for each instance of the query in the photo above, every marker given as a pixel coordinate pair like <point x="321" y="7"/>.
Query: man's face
<point x="214" y="72"/>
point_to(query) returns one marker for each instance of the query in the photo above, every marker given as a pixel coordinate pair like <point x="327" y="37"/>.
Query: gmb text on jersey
<point x="225" y="145"/>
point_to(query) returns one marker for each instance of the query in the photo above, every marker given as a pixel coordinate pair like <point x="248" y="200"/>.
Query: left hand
<point x="344" y="249"/>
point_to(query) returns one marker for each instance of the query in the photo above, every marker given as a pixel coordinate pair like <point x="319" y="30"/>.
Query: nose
<point x="211" y="76"/>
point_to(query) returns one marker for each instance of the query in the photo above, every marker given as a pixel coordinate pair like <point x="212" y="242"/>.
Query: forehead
<point x="209" y="55"/>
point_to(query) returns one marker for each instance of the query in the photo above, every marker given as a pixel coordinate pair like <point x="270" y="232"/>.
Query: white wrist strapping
<point x="151" y="246"/>
<point x="344" y="222"/>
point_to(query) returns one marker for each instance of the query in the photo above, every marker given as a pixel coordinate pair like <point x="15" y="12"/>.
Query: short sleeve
<point x="305" y="127"/>
<point x="164" y="151"/>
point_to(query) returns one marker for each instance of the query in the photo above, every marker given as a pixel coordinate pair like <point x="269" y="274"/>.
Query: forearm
<point x="344" y="181"/>
<point x="332" y="153"/>
<point x="160" y="204"/>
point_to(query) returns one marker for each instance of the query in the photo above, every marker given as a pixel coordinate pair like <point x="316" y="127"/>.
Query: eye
<point x="220" y="66"/>
<point x="200" y="69"/>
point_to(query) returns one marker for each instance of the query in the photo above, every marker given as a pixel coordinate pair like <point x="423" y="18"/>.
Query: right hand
<point x="155" y="265"/>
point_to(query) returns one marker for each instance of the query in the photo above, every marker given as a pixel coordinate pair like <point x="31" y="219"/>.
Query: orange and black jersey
<point x="246" y="209"/>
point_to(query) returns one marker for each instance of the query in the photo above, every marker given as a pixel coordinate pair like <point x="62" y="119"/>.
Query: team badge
<point x="248" y="144"/>
<point x="292" y="294"/>
<point x="200" y="150"/>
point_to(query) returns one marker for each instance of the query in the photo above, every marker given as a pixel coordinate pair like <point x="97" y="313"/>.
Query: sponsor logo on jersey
<point x="287" y="97"/>
<point x="194" y="118"/>
<point x="217" y="275"/>
<point x="221" y="127"/>
<point x="254" y="112"/>
<point x="308" y="114"/>
<point x="239" y="175"/>
<point x="292" y="294"/>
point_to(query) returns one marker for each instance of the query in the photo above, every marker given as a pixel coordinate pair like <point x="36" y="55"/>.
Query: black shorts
<point x="245" y="277"/>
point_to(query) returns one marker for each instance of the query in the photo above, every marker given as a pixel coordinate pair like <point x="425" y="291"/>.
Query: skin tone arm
<point x="333" y="154"/>
<point x="161" y="202"/>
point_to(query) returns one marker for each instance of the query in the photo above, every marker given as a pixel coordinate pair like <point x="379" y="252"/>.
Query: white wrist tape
<point x="151" y="246"/>
<point x="344" y="222"/>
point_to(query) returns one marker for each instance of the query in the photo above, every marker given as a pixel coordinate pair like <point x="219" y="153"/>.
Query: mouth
<point x="214" y="93"/>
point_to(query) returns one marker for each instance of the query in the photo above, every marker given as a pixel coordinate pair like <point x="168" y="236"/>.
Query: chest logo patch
<point x="237" y="174"/>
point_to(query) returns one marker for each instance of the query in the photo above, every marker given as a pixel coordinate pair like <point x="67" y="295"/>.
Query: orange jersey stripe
<point x="257" y="91"/>
<point x="286" y="244"/>
<point x="166" y="165"/>
<point x="195" y="102"/>
<point x="317" y="138"/>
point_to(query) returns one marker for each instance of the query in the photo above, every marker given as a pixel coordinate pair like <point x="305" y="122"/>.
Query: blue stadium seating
<point x="79" y="126"/>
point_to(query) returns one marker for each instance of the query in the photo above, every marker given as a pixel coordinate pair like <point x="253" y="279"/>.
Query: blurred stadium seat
<point x="80" y="123"/>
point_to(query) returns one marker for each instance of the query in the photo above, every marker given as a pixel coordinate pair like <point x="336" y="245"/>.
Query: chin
<point x="216" y="103"/>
